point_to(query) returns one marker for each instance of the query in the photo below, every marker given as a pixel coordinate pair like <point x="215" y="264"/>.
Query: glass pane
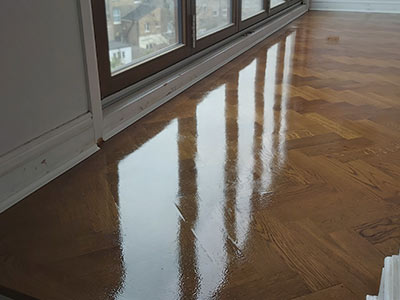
<point x="276" y="3"/>
<point x="140" y="29"/>
<point x="251" y="8"/>
<point x="212" y="15"/>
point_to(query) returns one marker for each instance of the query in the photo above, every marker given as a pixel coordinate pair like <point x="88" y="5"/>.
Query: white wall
<point x="45" y="123"/>
<point x="42" y="73"/>
<point x="383" y="6"/>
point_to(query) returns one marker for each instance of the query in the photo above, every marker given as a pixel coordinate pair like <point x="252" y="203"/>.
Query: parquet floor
<point x="277" y="177"/>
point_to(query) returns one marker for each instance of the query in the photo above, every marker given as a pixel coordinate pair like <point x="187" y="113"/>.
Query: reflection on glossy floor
<point x="277" y="177"/>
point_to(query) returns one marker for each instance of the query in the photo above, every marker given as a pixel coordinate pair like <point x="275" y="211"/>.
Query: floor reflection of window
<point x="286" y="81"/>
<point x="246" y="123"/>
<point x="268" y="151"/>
<point x="149" y="220"/>
<point x="176" y="223"/>
<point x="210" y="162"/>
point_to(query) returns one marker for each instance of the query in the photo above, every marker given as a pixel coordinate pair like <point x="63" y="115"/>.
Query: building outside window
<point x="116" y="16"/>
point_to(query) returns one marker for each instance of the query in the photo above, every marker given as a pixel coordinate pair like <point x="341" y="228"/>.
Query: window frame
<point x="280" y="7"/>
<point x="211" y="39"/>
<point x="262" y="15"/>
<point x="111" y="84"/>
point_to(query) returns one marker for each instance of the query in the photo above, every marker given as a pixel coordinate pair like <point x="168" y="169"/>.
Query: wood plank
<point x="338" y="292"/>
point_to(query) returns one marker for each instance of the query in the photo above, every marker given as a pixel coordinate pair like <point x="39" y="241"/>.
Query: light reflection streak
<point x="148" y="218"/>
<point x="210" y="228"/>
<point x="269" y="123"/>
<point x="246" y="120"/>
<point x="286" y="81"/>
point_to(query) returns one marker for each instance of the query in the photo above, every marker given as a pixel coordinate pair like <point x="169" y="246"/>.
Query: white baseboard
<point x="357" y="6"/>
<point x="29" y="167"/>
<point x="131" y="108"/>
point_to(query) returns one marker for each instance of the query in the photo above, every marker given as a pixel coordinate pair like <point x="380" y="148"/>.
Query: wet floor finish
<point x="277" y="177"/>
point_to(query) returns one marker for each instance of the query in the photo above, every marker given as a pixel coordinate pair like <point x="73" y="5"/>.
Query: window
<point x="251" y="8"/>
<point x="210" y="17"/>
<point x="136" y="39"/>
<point x="136" y="32"/>
<point x="275" y="3"/>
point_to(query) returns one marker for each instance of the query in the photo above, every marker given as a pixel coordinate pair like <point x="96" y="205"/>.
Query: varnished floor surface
<point x="276" y="177"/>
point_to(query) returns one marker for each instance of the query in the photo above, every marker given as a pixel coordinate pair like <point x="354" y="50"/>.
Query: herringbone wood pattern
<point x="277" y="177"/>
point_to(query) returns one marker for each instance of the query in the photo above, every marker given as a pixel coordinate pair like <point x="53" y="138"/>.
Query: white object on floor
<point x="390" y="281"/>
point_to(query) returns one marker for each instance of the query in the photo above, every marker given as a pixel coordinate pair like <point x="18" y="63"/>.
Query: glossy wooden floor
<point x="277" y="177"/>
